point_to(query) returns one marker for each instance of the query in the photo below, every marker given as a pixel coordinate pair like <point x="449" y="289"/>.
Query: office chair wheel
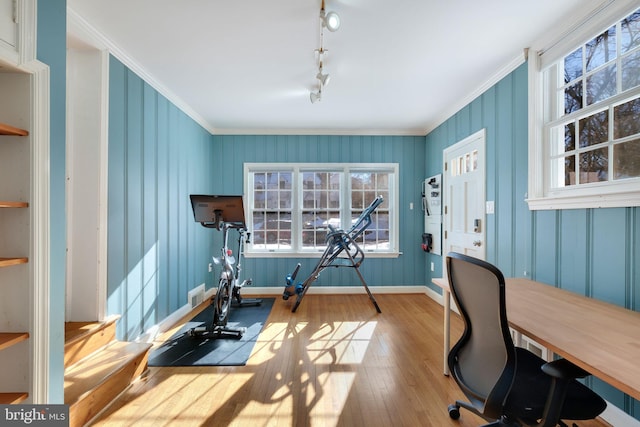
<point x="221" y="303"/>
<point x="454" y="411"/>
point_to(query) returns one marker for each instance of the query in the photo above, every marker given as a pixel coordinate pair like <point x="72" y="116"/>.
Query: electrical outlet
<point x="210" y="267"/>
<point x="433" y="267"/>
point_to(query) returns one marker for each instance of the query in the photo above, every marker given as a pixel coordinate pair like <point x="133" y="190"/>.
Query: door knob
<point x="477" y="243"/>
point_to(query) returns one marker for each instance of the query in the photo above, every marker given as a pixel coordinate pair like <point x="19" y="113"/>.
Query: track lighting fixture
<point x="330" y="21"/>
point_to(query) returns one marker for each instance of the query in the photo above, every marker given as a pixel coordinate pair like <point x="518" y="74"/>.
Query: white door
<point x="464" y="197"/>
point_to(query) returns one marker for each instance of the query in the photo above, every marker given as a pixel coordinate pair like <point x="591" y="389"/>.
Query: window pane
<point x="334" y="199"/>
<point x="594" y="129"/>
<point x="285" y="200"/>
<point x="563" y="139"/>
<point x="573" y="98"/>
<point x="594" y="165"/>
<point x="273" y="180"/>
<point x="322" y="180"/>
<point x="570" y="137"/>
<point x="626" y="159"/>
<point x="259" y="198"/>
<point x="376" y="236"/>
<point x="573" y="65"/>
<point x="601" y="85"/>
<point x="630" y="32"/>
<point x="258" y="234"/>
<point x="570" y="170"/>
<point x="386" y="200"/>
<point x="308" y="201"/>
<point x="272" y="200"/>
<point x="626" y="119"/>
<point x="631" y="70"/>
<point x="357" y="181"/>
<point x="308" y="180"/>
<point x="601" y="49"/>
<point x="259" y="181"/>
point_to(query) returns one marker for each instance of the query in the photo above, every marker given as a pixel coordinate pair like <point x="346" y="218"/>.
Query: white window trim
<point x="540" y="196"/>
<point x="394" y="219"/>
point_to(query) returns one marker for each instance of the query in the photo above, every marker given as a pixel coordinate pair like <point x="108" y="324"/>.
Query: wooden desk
<point x="602" y="338"/>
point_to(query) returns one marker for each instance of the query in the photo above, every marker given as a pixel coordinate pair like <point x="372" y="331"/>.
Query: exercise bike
<point x="224" y="213"/>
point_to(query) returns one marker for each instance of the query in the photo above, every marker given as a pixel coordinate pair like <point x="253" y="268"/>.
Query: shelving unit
<point x="24" y="207"/>
<point x="14" y="222"/>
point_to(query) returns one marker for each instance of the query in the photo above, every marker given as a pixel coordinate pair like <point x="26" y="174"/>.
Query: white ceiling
<point x="248" y="66"/>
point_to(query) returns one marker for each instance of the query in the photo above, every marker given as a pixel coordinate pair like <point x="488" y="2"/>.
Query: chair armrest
<point x="563" y="369"/>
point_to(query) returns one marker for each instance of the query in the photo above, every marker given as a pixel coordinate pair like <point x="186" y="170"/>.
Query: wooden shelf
<point x="8" y="204"/>
<point x="7" y="262"/>
<point x="12" y="398"/>
<point x="7" y="339"/>
<point x="10" y="130"/>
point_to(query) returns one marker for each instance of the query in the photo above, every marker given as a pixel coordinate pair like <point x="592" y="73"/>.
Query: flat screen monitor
<point x="218" y="209"/>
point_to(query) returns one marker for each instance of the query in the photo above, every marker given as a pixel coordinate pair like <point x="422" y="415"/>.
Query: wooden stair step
<point x="84" y="338"/>
<point x="92" y="383"/>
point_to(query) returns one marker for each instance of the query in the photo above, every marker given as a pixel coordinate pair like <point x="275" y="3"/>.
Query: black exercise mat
<point x="184" y="350"/>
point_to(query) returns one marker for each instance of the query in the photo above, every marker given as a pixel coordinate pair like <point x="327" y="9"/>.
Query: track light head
<point x="324" y="78"/>
<point x="315" y="96"/>
<point x="331" y="20"/>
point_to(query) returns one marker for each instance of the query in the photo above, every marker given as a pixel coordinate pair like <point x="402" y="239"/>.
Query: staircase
<point x="98" y="367"/>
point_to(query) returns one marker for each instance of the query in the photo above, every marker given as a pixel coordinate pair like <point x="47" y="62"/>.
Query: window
<point x="291" y="206"/>
<point x="586" y="152"/>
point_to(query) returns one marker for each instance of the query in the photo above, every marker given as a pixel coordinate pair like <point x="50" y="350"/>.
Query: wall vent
<point x="531" y="345"/>
<point x="196" y="296"/>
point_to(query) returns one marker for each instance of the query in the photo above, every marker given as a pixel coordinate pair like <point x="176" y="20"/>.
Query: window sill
<point x="281" y="254"/>
<point x="613" y="200"/>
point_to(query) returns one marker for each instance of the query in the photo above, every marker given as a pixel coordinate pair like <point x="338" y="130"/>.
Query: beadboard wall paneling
<point x="157" y="157"/>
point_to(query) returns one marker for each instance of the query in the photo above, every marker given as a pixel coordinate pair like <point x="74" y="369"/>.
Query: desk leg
<point x="447" y="320"/>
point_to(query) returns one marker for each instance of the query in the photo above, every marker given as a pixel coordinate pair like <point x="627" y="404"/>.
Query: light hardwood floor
<point x="335" y="362"/>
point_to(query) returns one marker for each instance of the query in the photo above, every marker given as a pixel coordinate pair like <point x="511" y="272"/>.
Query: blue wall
<point x="157" y="157"/>
<point x="52" y="50"/>
<point x="589" y="251"/>
<point x="408" y="152"/>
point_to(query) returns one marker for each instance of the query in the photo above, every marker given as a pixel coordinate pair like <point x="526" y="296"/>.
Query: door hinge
<point x="445" y="210"/>
<point x="15" y="11"/>
<point x="445" y="234"/>
<point x="446" y="165"/>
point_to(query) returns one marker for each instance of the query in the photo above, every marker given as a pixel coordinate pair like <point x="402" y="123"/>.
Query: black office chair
<point x="507" y="385"/>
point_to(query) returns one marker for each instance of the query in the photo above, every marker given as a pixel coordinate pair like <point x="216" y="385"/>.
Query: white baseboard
<point x="617" y="417"/>
<point x="338" y="290"/>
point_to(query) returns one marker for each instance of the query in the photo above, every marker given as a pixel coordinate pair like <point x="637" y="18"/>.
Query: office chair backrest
<point x="483" y="360"/>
